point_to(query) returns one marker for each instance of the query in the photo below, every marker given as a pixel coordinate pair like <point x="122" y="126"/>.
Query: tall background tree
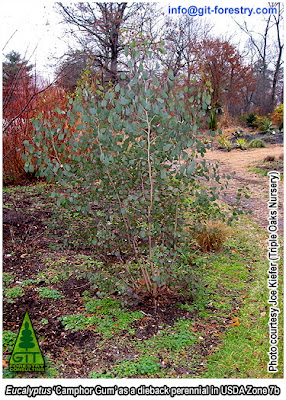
<point x="181" y="38"/>
<point x="266" y="47"/>
<point x="98" y="28"/>
<point x="221" y="64"/>
<point x="71" y="67"/>
<point x="19" y="86"/>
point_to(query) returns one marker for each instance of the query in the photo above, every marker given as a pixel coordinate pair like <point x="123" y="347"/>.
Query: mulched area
<point x="27" y="242"/>
<point x="276" y="138"/>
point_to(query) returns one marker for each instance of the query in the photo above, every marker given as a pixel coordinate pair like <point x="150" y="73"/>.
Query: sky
<point x="34" y="28"/>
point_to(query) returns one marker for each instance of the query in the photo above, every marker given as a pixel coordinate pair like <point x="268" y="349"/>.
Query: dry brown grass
<point x="212" y="236"/>
<point x="225" y="121"/>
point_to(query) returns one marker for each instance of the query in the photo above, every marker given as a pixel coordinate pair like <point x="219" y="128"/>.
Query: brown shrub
<point x="18" y="127"/>
<point x="12" y="142"/>
<point x="225" y="121"/>
<point x="212" y="236"/>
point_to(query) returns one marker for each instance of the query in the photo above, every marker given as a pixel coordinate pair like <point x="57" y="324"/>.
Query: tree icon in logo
<point x="26" y="340"/>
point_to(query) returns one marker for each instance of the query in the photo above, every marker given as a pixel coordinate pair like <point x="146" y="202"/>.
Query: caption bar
<point x="143" y="390"/>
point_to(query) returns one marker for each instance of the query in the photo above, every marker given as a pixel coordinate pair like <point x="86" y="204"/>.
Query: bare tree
<point x="267" y="48"/>
<point x="181" y="38"/>
<point x="98" y="29"/>
<point x="279" y="61"/>
<point x="70" y="68"/>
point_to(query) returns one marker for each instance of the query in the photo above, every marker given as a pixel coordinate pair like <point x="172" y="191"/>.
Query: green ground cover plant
<point x="224" y="142"/>
<point x="9" y="339"/>
<point x="241" y="143"/>
<point x="256" y="143"/>
<point x="266" y="127"/>
<point x="8" y="278"/>
<point x="13" y="293"/>
<point x="104" y="316"/>
<point x="49" y="293"/>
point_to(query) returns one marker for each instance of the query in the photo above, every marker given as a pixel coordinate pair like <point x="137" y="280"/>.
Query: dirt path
<point x="239" y="161"/>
